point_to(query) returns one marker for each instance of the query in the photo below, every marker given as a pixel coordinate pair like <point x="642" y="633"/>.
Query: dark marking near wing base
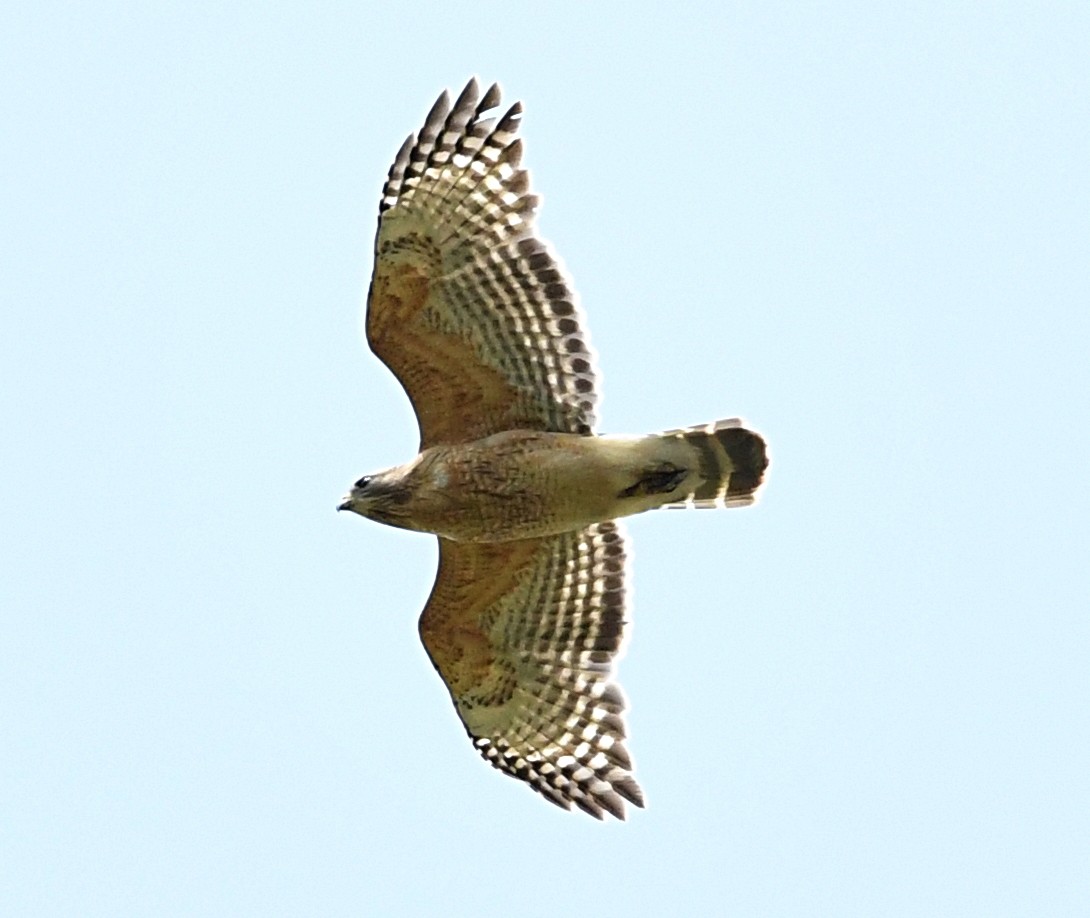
<point x="660" y="480"/>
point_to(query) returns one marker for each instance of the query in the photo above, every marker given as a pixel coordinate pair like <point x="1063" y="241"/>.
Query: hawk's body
<point x="522" y="484"/>
<point x="475" y="317"/>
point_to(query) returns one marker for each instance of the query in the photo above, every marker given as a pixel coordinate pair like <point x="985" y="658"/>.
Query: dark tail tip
<point x="748" y="460"/>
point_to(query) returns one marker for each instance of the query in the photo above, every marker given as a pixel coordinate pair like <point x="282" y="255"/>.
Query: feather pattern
<point x="468" y="307"/>
<point x="525" y="634"/>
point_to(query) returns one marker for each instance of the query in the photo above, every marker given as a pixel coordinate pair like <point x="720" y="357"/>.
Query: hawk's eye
<point x="363" y="482"/>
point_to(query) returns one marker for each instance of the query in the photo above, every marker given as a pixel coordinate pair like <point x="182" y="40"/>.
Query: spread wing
<point x="524" y="634"/>
<point x="467" y="306"/>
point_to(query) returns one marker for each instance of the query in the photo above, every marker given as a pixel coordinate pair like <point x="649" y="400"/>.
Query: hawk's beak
<point x="347" y="505"/>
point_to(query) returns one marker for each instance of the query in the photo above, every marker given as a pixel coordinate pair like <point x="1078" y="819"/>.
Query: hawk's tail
<point x="729" y="460"/>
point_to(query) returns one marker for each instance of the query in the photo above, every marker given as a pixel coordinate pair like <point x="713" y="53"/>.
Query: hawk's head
<point x="381" y="497"/>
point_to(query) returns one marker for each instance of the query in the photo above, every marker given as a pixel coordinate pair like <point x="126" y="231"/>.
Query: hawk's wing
<point x="467" y="306"/>
<point x="524" y="634"/>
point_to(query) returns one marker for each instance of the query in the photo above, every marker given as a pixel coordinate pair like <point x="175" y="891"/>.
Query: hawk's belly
<point x="525" y="484"/>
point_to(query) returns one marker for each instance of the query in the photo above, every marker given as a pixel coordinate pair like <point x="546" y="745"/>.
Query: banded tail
<point x="730" y="461"/>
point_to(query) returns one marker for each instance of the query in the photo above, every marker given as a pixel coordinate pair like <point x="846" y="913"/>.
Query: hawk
<point x="475" y="316"/>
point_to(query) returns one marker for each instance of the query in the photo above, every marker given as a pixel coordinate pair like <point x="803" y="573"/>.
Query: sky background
<point x="864" y="228"/>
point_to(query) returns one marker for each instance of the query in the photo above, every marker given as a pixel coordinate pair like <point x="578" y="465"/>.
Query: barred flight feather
<point x="542" y="708"/>
<point x="456" y="259"/>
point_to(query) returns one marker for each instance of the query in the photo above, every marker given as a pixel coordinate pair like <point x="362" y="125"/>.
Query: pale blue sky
<point x="866" y="230"/>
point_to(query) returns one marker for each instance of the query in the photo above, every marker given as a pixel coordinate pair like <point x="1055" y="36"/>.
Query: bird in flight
<point x="475" y="316"/>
